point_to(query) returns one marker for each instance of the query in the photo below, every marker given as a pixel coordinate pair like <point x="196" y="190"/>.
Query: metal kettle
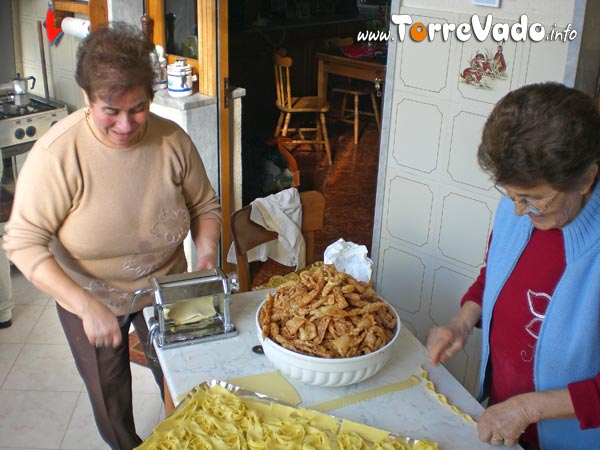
<point x="20" y="84"/>
<point x="20" y="89"/>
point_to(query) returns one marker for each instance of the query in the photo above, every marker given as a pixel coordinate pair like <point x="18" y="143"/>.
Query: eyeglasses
<point x="528" y="203"/>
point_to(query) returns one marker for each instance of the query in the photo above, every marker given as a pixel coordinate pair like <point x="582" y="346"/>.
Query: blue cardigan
<point x="568" y="348"/>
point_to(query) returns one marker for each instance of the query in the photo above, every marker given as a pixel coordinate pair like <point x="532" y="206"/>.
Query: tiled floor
<point x="43" y="403"/>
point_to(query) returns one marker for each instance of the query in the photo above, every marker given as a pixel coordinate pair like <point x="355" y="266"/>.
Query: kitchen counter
<point x="414" y="412"/>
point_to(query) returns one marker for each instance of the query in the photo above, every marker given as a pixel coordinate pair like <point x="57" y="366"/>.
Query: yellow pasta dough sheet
<point x="218" y="415"/>
<point x="190" y="311"/>
<point x="271" y="383"/>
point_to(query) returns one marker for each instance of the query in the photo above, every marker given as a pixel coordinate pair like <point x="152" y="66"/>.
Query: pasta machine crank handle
<point x="149" y="349"/>
<point x="136" y="294"/>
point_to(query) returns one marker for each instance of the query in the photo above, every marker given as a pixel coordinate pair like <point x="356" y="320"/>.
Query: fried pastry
<point x="327" y="313"/>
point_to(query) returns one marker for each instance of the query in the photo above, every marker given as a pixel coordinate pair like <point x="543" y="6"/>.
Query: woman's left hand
<point x="206" y="239"/>
<point x="206" y="261"/>
<point x="504" y="423"/>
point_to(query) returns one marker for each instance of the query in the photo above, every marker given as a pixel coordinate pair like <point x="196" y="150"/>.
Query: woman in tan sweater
<point x="104" y="202"/>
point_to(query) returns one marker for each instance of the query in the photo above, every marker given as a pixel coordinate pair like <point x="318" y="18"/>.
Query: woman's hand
<point x="504" y="423"/>
<point x="205" y="234"/>
<point x="444" y="341"/>
<point x="100" y="324"/>
<point x="207" y="261"/>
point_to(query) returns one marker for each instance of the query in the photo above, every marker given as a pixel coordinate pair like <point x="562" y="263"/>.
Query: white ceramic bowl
<point x="326" y="371"/>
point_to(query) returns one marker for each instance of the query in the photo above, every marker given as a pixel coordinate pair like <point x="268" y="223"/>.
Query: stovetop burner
<point x="9" y="110"/>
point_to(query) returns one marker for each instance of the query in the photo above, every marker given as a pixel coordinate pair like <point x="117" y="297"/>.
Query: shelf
<point x="95" y="10"/>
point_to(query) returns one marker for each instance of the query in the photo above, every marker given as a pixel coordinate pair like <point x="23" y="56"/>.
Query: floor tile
<point x="82" y="428"/>
<point x="147" y="409"/>
<point x="18" y="448"/>
<point x="24" y="293"/>
<point x="8" y="356"/>
<point x="143" y="381"/>
<point x="48" y="329"/>
<point x="44" y="367"/>
<point x="24" y="319"/>
<point x="34" y="419"/>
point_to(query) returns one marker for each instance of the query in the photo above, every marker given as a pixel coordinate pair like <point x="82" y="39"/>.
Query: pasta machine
<point x="189" y="308"/>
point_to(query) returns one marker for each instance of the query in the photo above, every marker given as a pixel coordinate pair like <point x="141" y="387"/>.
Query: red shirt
<point x="518" y="315"/>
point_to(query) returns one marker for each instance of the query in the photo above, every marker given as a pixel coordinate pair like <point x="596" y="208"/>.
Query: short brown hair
<point x="112" y="60"/>
<point x="541" y="133"/>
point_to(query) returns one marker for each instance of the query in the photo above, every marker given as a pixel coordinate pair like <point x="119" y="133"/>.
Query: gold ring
<point x="495" y="439"/>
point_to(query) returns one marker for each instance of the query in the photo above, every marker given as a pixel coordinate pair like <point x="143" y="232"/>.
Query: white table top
<point x="413" y="412"/>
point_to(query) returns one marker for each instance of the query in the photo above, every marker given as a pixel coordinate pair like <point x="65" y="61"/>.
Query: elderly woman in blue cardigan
<point x="537" y="299"/>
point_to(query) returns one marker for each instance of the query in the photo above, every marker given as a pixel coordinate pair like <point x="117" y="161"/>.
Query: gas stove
<point x="22" y="124"/>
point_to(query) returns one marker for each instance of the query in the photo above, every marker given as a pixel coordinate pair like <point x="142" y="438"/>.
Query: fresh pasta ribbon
<point x="338" y="403"/>
<point x="394" y="445"/>
<point x="272" y="384"/>
<point x="351" y="441"/>
<point x="217" y="419"/>
<point x="442" y="398"/>
<point x="425" y="445"/>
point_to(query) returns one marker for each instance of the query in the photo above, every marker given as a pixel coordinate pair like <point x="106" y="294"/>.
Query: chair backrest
<point x="283" y="85"/>
<point x="247" y="234"/>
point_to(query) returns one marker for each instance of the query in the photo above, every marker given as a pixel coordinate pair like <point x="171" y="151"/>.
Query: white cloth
<point x="350" y="258"/>
<point x="282" y="213"/>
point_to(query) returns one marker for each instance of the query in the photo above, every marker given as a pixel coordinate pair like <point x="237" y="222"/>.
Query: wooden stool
<point x="352" y="115"/>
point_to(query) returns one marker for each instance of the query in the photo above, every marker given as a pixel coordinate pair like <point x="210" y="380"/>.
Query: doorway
<point x="349" y="185"/>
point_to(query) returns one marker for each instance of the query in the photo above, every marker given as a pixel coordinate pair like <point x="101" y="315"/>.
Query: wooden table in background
<point x="361" y="69"/>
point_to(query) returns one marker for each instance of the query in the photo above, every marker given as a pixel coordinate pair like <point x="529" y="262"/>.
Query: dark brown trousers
<point x="106" y="373"/>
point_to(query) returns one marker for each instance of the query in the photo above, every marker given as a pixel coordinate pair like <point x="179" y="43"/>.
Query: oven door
<point x="13" y="158"/>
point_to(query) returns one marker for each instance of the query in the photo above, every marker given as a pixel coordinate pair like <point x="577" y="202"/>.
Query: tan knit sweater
<point x="112" y="218"/>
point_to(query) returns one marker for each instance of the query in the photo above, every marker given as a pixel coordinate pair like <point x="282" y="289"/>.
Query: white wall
<point x="585" y="17"/>
<point x="60" y="57"/>
<point x="546" y="11"/>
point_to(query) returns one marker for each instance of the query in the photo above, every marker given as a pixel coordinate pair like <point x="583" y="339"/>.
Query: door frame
<point x="212" y="70"/>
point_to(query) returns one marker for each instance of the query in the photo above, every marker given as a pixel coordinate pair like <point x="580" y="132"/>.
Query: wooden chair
<point x="288" y="105"/>
<point x="349" y="88"/>
<point x="352" y="115"/>
<point x="247" y="234"/>
<point x="292" y="164"/>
